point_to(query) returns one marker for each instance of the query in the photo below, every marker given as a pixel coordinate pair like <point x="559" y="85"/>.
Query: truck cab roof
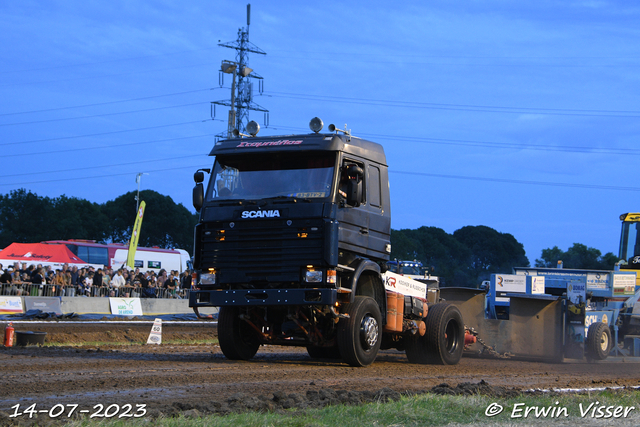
<point x="309" y="142"/>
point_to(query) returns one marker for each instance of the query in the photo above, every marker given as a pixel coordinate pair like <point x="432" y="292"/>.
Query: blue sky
<point x="521" y="116"/>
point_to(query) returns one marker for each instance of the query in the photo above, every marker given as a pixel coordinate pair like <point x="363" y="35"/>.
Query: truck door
<point x="364" y="227"/>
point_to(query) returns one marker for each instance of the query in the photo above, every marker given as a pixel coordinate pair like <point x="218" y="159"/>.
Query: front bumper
<point x="263" y="297"/>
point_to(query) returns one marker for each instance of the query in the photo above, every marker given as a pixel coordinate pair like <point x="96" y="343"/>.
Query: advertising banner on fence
<point x="10" y="305"/>
<point x="125" y="306"/>
<point x="44" y="304"/>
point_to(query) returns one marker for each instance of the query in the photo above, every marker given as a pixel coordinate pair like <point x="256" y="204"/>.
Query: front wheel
<point x="443" y="341"/>
<point x="237" y="340"/>
<point x="598" y="342"/>
<point x="359" y="336"/>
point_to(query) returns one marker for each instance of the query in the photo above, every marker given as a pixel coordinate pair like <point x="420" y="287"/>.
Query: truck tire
<point x="598" y="342"/>
<point x="237" y="339"/>
<point x="359" y="336"/>
<point x="443" y="342"/>
<point x="323" y="352"/>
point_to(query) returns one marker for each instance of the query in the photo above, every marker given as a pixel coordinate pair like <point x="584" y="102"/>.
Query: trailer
<point x="549" y="314"/>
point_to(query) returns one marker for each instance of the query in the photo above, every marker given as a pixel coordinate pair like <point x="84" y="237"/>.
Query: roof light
<point x="316" y="124"/>
<point x="253" y="128"/>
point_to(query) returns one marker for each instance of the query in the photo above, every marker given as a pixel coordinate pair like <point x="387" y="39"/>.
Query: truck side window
<point x="374" y="186"/>
<point x="352" y="187"/>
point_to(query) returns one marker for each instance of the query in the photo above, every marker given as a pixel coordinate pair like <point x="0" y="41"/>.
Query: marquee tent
<point x="39" y="253"/>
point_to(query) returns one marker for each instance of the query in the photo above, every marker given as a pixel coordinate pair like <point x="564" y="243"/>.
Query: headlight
<point x="313" y="276"/>
<point x="208" y="278"/>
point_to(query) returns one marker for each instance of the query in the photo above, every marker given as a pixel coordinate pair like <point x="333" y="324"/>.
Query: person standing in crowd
<point x="185" y="283"/>
<point x="69" y="289"/>
<point x="97" y="278"/>
<point x="37" y="277"/>
<point x="117" y="282"/>
<point x="170" y="286"/>
<point x="146" y="285"/>
<point x="6" y="276"/>
<point x="57" y="284"/>
<point x="97" y="283"/>
<point x="15" y="275"/>
<point x="88" y="284"/>
<point x="80" y="282"/>
<point x="30" y="271"/>
<point x="74" y="277"/>
<point x="106" y="277"/>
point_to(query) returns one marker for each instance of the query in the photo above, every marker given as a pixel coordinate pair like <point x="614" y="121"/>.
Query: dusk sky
<point x="520" y="116"/>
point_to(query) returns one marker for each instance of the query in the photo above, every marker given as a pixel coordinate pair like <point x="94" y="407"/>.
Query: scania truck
<point x="292" y="243"/>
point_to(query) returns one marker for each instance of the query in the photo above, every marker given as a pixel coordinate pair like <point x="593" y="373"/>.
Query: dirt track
<point x="174" y="378"/>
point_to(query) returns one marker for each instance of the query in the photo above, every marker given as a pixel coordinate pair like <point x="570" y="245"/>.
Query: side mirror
<point x="198" y="177"/>
<point x="198" y="194"/>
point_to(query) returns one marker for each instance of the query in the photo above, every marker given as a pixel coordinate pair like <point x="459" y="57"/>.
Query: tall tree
<point x="165" y="223"/>
<point x="73" y="218"/>
<point x="491" y="251"/>
<point x="24" y="217"/>
<point x="577" y="256"/>
<point x="465" y="258"/>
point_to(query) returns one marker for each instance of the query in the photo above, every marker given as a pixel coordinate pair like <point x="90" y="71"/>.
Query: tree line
<point x="26" y="217"/>
<point x="464" y="258"/>
<point x="471" y="254"/>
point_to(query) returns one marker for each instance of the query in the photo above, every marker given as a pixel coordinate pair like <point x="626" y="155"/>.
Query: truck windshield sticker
<point x="308" y="195"/>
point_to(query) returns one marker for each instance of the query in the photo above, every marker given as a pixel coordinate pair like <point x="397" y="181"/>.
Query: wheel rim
<point x="604" y="342"/>
<point x="451" y="336"/>
<point x="369" y="332"/>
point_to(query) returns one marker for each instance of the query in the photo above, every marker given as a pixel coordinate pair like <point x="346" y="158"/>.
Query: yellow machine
<point x="630" y="242"/>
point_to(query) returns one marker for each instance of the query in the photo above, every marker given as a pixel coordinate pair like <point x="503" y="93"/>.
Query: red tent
<point x="38" y="253"/>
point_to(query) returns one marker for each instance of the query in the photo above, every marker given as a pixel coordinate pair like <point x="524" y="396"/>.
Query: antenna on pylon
<point x="242" y="87"/>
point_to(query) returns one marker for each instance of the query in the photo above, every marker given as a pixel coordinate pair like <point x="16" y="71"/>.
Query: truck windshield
<point x="629" y="241"/>
<point x="260" y="176"/>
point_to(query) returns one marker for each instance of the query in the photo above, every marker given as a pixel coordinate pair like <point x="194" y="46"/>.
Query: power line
<point x="146" y="70"/>
<point x="107" y="103"/>
<point x="103" y="176"/>
<point x="488" y="144"/>
<point x="460" y="107"/>
<point x="106" y="146"/>
<point x="518" y="181"/>
<point x="134" y="58"/>
<point x="100" y="134"/>
<point x="102" y="115"/>
<point x="93" y="167"/>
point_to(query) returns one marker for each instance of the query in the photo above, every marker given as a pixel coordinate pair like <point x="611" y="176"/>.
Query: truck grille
<point x="261" y="250"/>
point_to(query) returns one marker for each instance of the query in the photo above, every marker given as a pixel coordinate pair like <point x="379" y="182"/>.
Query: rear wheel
<point x="237" y="339"/>
<point x="359" y="336"/>
<point x="443" y="341"/>
<point x="598" y="342"/>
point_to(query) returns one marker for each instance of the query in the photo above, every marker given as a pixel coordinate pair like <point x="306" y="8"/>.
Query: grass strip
<point x="427" y="410"/>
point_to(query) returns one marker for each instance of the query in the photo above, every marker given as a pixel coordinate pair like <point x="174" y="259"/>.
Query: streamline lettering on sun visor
<point x="245" y="144"/>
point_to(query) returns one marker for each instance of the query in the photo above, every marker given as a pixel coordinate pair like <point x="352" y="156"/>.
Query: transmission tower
<point x="242" y="86"/>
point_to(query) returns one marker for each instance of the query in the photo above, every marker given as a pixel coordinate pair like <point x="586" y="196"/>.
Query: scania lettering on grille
<point x="261" y="214"/>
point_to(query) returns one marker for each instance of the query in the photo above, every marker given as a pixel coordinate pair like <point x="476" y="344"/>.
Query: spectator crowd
<point x="38" y="280"/>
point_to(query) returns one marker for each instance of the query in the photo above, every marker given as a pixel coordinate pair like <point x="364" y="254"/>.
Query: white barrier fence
<point x="36" y="290"/>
